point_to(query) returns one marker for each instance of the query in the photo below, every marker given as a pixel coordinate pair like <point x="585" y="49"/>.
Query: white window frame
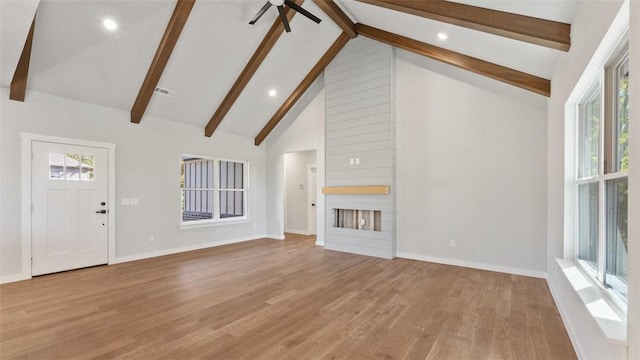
<point x="217" y="220"/>
<point x="608" y="116"/>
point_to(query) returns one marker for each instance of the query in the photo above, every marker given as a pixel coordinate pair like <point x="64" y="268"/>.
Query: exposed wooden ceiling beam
<point x="304" y="85"/>
<point x="553" y="34"/>
<point x="497" y="72"/>
<point x="18" y="88"/>
<point x="249" y="70"/>
<point x="160" y="60"/>
<point x="338" y="16"/>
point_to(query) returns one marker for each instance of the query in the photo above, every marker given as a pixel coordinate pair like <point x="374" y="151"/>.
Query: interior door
<point x="69" y="207"/>
<point x="313" y="211"/>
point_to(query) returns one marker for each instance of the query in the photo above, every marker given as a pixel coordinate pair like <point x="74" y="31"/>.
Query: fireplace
<point x="368" y="220"/>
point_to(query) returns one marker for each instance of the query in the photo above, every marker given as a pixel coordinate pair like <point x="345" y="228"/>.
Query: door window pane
<point x="71" y="166"/>
<point x="56" y="166"/>
<point x="617" y="270"/>
<point x="87" y="164"/>
<point x="589" y="132"/>
<point x="588" y="223"/>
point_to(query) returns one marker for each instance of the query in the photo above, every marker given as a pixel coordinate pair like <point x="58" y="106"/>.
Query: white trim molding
<point x="297" y="232"/>
<point x="4" y="279"/>
<point x="275" y="237"/>
<point x="182" y="249"/>
<point x="473" y="265"/>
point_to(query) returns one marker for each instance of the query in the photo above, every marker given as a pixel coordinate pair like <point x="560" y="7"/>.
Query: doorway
<point x="300" y="192"/>
<point x="69" y="188"/>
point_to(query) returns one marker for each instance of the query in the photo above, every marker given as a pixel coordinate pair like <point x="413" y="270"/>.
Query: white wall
<point x="471" y="168"/>
<point x="147" y="168"/>
<point x="302" y="132"/>
<point x="297" y="206"/>
<point x="592" y="21"/>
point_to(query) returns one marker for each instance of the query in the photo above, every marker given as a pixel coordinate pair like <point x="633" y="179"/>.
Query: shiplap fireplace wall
<point x="360" y="146"/>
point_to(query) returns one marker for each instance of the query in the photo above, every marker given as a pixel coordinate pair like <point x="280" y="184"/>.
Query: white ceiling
<point x="75" y="57"/>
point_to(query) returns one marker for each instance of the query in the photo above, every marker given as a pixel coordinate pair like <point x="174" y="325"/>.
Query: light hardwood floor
<point x="269" y="299"/>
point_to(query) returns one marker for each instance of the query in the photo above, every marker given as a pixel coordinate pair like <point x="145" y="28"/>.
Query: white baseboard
<point x="276" y="237"/>
<point x="319" y="243"/>
<point x="297" y="232"/>
<point x="4" y="279"/>
<point x="473" y="265"/>
<point x="135" y="257"/>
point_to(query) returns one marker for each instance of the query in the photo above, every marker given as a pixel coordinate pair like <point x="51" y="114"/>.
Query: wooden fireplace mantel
<point x="357" y="190"/>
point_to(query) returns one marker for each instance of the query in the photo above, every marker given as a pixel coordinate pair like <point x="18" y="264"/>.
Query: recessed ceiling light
<point x="109" y="24"/>
<point x="273" y="92"/>
<point x="442" y="36"/>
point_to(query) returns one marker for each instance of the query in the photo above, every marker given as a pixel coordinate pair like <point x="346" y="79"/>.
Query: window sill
<point x="223" y="222"/>
<point x="610" y="319"/>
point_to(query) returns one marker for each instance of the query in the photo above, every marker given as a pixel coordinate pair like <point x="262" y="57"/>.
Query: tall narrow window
<point x="231" y="189"/>
<point x="588" y="160"/>
<point x="602" y="180"/>
<point x="212" y="190"/>
<point x="616" y="183"/>
<point x="197" y="189"/>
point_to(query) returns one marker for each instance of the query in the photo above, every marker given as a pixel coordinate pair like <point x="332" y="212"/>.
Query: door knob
<point x="101" y="212"/>
<point x="313" y="204"/>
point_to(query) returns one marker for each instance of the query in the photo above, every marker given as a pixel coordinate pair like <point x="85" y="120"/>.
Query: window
<point x="602" y="185"/>
<point x="212" y="190"/>
<point x="70" y="167"/>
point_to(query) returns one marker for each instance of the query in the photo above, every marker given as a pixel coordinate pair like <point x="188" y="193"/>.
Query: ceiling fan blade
<point x="260" y="13"/>
<point x="302" y="11"/>
<point x="283" y="17"/>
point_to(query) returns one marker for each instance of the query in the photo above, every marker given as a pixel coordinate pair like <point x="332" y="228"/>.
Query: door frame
<point x="26" y="177"/>
<point x="310" y="217"/>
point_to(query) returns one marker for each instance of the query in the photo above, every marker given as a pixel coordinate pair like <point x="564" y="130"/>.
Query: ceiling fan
<point x="283" y="16"/>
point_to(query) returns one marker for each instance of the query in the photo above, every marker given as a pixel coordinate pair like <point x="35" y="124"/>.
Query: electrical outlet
<point x="134" y="201"/>
<point x="152" y="238"/>
<point x="452" y="243"/>
<point x="124" y="201"/>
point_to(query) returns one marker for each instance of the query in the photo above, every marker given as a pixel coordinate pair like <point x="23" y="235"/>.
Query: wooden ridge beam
<point x="552" y="34"/>
<point x="18" y="88"/>
<point x="249" y="70"/>
<point x="338" y="16"/>
<point x="161" y="58"/>
<point x="510" y="76"/>
<point x="335" y="48"/>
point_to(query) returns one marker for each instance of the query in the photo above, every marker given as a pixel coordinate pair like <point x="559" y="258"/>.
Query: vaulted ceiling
<point x="221" y="68"/>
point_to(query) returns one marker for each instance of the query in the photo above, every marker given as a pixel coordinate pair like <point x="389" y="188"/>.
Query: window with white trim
<point x="212" y="190"/>
<point x="601" y="177"/>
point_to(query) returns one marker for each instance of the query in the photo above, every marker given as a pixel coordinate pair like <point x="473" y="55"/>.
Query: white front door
<point x="313" y="211"/>
<point x="69" y="213"/>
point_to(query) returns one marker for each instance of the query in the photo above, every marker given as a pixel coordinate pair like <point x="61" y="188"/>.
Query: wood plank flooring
<point x="269" y="299"/>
